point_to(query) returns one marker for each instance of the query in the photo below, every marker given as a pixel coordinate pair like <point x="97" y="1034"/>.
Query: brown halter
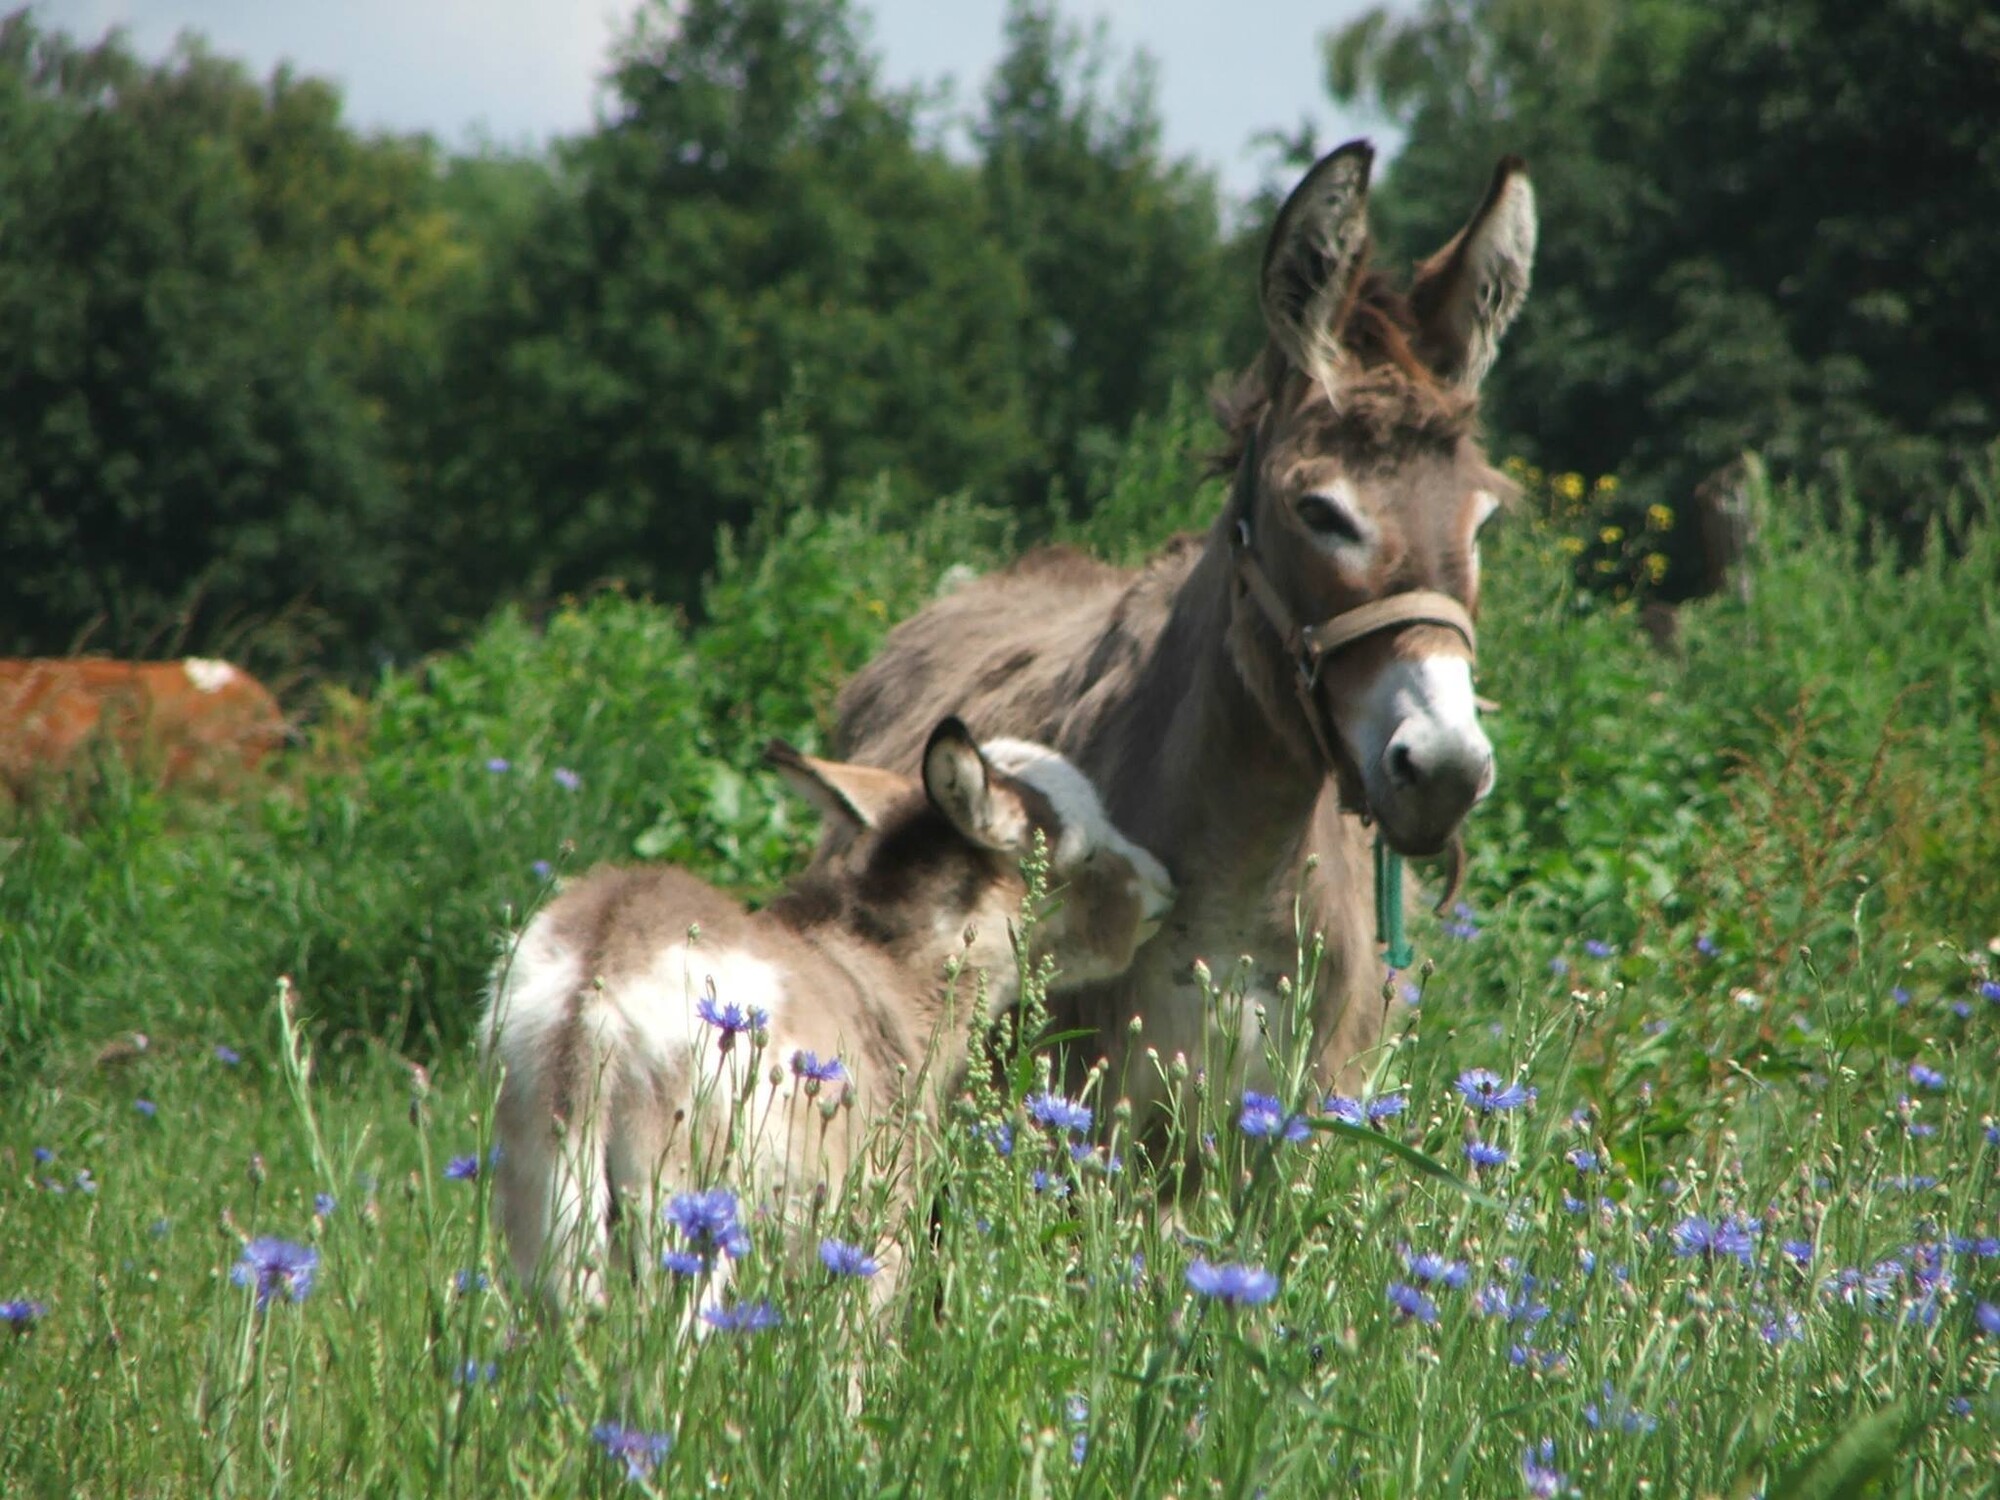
<point x="1308" y="646"/>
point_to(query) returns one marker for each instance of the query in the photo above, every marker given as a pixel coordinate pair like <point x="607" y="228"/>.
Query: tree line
<point x="267" y="379"/>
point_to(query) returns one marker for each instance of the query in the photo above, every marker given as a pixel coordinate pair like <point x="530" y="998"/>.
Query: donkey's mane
<point x="1388" y="397"/>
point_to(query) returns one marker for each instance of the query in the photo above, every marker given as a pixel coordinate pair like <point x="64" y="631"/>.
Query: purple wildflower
<point x="641" y="1452"/>
<point x="462" y="1168"/>
<point x="743" y="1317"/>
<point x="541" y="869"/>
<point x="1412" y="1304"/>
<point x="465" y="1283"/>
<point x="682" y="1262"/>
<point x="44" y="1155"/>
<point x="565" y="778"/>
<point x="1986" y="1318"/>
<point x="1715" y="1239"/>
<point x="272" y="1265"/>
<point x="844" y="1259"/>
<point x="1058" y="1113"/>
<point x="1483" y="1155"/>
<point x="1233" y="1285"/>
<point x="731" y="1018"/>
<point x="324" y="1204"/>
<point x="1706" y="946"/>
<point x="22" y="1313"/>
<point x="1598" y="948"/>
<point x="1989" y="989"/>
<point x="1926" y="1078"/>
<point x="499" y="765"/>
<point x="709" y="1221"/>
<point x="1584" y="1160"/>
<point x="1900" y="995"/>
<point x="1427" y="1267"/>
<point x="1487" y="1092"/>
<point x="1538" y="1470"/>
<point x="1264" y="1117"/>
<point x="1617" y="1412"/>
<point x="816" y="1069"/>
<point x="1559" y="966"/>
<point x="1464" y="924"/>
<point x="1800" y="1251"/>
<point x="473" y="1373"/>
<point x="146" y="1107"/>
<point x="228" y="1056"/>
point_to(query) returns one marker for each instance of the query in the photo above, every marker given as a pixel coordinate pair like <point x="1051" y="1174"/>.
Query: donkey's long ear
<point x="1314" y="260"/>
<point x="1466" y="295"/>
<point x="964" y="787"/>
<point x="850" y="797"/>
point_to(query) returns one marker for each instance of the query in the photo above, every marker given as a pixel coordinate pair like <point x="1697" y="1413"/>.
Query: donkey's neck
<point x="1220" y="782"/>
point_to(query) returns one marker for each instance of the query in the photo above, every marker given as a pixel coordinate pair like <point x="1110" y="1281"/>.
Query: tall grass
<point x="1727" y="918"/>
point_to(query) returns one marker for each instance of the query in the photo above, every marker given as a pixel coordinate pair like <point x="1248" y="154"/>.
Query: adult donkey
<point x="1259" y="696"/>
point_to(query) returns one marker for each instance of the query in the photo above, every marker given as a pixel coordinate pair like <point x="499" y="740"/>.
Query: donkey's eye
<point x="1327" y="518"/>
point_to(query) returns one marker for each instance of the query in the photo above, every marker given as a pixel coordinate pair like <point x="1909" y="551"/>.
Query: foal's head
<point x="917" y="866"/>
<point x="1361" y="477"/>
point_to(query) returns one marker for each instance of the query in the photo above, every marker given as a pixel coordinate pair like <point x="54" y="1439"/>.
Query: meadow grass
<point x="1727" y="920"/>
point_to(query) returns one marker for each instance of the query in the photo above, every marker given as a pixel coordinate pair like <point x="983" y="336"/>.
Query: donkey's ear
<point x="848" y="796"/>
<point x="1315" y="258"/>
<point x="963" y="785"/>
<point x="1466" y="295"/>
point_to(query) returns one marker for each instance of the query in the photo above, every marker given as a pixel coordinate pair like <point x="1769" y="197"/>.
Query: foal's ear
<point x="978" y="801"/>
<point x="849" y="796"/>
<point x="1314" y="259"/>
<point x="1466" y="295"/>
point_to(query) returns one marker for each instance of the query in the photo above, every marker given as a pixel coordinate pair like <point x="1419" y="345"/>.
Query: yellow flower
<point x="1569" y="486"/>
<point x="1656" y="566"/>
<point x="878" y="609"/>
<point x="1570" y="546"/>
<point x="1606" y="484"/>
<point x="1606" y="565"/>
<point x="1611" y="536"/>
<point x="1661" y="517"/>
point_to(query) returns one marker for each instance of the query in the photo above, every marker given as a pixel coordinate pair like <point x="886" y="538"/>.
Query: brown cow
<point x="1322" y="626"/>
<point x="193" y="720"/>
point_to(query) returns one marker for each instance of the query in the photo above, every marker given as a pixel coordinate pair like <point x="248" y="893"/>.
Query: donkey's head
<point x="923" y="864"/>
<point x="1360" y="478"/>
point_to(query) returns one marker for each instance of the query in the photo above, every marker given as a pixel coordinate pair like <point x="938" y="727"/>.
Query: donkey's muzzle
<point x="1430" y="775"/>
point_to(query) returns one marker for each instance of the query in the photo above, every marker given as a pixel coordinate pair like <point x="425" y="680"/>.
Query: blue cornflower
<point x="641" y="1451"/>
<point x="743" y="1317"/>
<point x="1598" y="948"/>
<point x="1041" y="1181"/>
<point x="324" y="1204"/>
<point x="1916" y="1182"/>
<point x="565" y="778"/>
<point x="1926" y="1078"/>
<point x="1486" y="1091"/>
<point x="1263" y="1116"/>
<point x="499" y="765"/>
<point x="146" y="1107"/>
<point x="272" y="1265"/>
<point x="228" y="1056"/>
<point x="999" y="1136"/>
<point x="1538" y="1470"/>
<point x="1993" y="1135"/>
<point x="1800" y="1251"/>
<point x="1058" y="1113"/>
<point x="1961" y="1008"/>
<point x="1706" y="946"/>
<point x="541" y="869"/>
<point x="1559" y="966"/>
<point x="472" y="1372"/>
<point x="1234" y="1285"/>
<point x="1482" y="1155"/>
<point x="44" y="1155"/>
<point x="1371" y="1111"/>
<point x="1412" y="1304"/>
<point x="1900" y="995"/>
<point x="1584" y="1160"/>
<point x="1715" y="1238"/>
<point x="844" y="1259"/>
<point x="1986" y="1318"/>
<point x="1617" y="1412"/>
<point x="816" y="1069"/>
<point x="1427" y="1267"/>
<point x="22" y="1313"/>
<point x="1528" y="1356"/>
<point x="462" y="1168"/>
<point x="682" y="1262"/>
<point x="1781" y="1326"/>
<point x="1464" y="924"/>
<point x="1989" y="989"/>
<point x="710" y="1223"/>
<point x="465" y="1283"/>
<point x="731" y="1018"/>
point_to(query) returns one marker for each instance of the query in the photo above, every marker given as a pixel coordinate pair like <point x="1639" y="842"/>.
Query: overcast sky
<point x="521" y="70"/>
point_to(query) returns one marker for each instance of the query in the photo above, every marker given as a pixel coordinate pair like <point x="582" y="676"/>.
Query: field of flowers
<point x="1685" y="1178"/>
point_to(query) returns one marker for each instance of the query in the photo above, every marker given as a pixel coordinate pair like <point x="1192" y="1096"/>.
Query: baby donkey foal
<point x="626" y="1019"/>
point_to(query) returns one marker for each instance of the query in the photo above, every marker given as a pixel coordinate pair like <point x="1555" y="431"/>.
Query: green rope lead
<point x="1389" y="907"/>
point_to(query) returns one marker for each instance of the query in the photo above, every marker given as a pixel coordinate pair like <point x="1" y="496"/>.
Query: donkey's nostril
<point x="1402" y="765"/>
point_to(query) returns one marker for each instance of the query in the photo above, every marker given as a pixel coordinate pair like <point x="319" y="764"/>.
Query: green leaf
<point x="1848" y="1465"/>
